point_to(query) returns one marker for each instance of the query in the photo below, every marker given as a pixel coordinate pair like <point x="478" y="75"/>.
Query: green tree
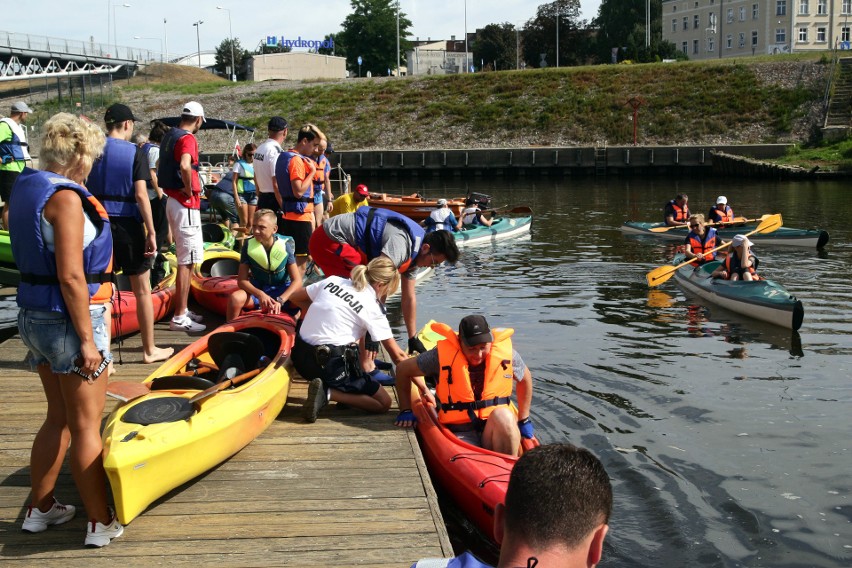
<point x="621" y="24"/>
<point x="540" y="35"/>
<point x="337" y="50"/>
<point x="497" y="46"/>
<point x="370" y="32"/>
<point x="223" y="58"/>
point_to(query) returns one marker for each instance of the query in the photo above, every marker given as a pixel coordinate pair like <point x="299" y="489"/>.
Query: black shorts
<point x="7" y="180"/>
<point x="267" y="201"/>
<point x="128" y="246"/>
<point x="336" y="373"/>
<point x="300" y="231"/>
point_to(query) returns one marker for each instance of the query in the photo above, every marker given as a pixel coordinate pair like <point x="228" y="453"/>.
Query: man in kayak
<point x="472" y="215"/>
<point x="441" y="218"/>
<point x="740" y="264"/>
<point x="556" y="513"/>
<point x="722" y="212"/>
<point x="677" y="211"/>
<point x="700" y="240"/>
<point x="268" y="274"/>
<point x="476" y="371"/>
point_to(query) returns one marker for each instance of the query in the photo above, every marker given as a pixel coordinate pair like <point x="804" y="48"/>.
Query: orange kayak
<point x="414" y="206"/>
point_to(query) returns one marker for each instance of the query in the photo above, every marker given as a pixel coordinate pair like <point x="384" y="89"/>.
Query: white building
<point x="295" y="66"/>
<point x="435" y="59"/>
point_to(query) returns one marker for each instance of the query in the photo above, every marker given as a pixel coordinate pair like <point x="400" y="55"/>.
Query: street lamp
<point x="156" y="39"/>
<point x="231" y="39"/>
<point x="466" y="63"/>
<point x="198" y="39"/>
<point x="397" y="38"/>
<point x="114" y="35"/>
<point x="557" y="33"/>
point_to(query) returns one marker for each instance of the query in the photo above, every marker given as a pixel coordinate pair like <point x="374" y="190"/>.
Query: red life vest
<point x="725" y="216"/>
<point x="699" y="247"/>
<point x="681" y="214"/>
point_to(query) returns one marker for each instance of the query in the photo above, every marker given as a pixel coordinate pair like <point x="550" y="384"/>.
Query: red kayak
<point x="476" y="478"/>
<point x="215" y="279"/>
<point x="124" y="320"/>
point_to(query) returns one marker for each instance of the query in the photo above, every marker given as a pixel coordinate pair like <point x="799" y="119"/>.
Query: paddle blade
<point x="768" y="225"/>
<point x="660" y="275"/>
<point x="521" y="210"/>
<point x="126" y="391"/>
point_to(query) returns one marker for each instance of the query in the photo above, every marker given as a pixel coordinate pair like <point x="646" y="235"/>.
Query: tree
<point x="338" y="49"/>
<point x="540" y="35"/>
<point x="370" y="32"/>
<point x="497" y="46"/>
<point x="223" y="58"/>
<point x="621" y="24"/>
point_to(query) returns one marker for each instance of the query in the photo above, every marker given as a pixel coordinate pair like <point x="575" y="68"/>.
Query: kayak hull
<point x="215" y="279"/>
<point x="764" y="300"/>
<point x="144" y="462"/>
<point x="414" y="207"/>
<point x="501" y="229"/>
<point x="124" y="319"/>
<point x="784" y="236"/>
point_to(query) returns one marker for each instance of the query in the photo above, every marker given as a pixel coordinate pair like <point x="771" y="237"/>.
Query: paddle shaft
<point x="224" y="385"/>
<point x="720" y="224"/>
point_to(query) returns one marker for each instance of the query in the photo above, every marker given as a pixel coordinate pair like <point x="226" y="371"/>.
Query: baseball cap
<point x="362" y="190"/>
<point x="193" y="108"/>
<point x="118" y="113"/>
<point x="474" y="330"/>
<point x="721" y="200"/>
<point x="442" y="202"/>
<point x="740" y="240"/>
<point x="276" y="124"/>
<point x="20" y="106"/>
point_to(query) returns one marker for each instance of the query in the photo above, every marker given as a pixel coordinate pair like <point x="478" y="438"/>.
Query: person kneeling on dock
<point x="268" y="273"/>
<point x="740" y="263"/>
<point x="337" y="312"/>
<point x="475" y="389"/>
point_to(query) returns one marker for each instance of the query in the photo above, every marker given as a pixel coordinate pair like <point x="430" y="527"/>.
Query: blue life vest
<point x="246" y="181"/>
<point x="466" y="560"/>
<point x="292" y="204"/>
<point x="13" y="148"/>
<point x="39" y="288"/>
<point x="111" y="179"/>
<point x="370" y="225"/>
<point x="268" y="268"/>
<point x="168" y="171"/>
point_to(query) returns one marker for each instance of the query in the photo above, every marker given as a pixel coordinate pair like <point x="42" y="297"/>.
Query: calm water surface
<point x="727" y="440"/>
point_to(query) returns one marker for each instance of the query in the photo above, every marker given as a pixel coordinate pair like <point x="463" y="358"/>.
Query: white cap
<point x="740" y="240"/>
<point x="20" y="106"/>
<point x="193" y="108"/>
<point x="442" y="202"/>
<point x="721" y="200"/>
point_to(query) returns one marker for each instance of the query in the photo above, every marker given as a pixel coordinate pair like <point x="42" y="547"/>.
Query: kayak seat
<point x="709" y="267"/>
<point x="159" y="410"/>
<point x="212" y="233"/>
<point x="181" y="382"/>
<point x="220" y="267"/>
<point x="235" y="353"/>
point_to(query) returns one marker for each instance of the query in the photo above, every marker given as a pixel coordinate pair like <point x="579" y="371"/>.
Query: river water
<point x="726" y="439"/>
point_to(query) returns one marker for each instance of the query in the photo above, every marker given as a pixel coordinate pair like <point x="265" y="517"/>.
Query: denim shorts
<point x="249" y="198"/>
<point x="52" y="339"/>
<point x="223" y="202"/>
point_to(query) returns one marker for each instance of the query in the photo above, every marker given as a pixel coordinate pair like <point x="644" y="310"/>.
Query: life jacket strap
<point x="475" y="405"/>
<point x="50" y="279"/>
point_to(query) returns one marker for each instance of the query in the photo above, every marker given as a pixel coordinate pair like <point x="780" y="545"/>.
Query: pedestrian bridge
<point x="27" y="56"/>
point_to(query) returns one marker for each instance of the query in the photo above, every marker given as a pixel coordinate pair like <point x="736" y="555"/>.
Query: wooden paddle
<point x="224" y="384"/>
<point x="663" y="273"/>
<point x="736" y="221"/>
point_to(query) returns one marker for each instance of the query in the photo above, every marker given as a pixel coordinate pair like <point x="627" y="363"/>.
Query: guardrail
<point x="28" y="42"/>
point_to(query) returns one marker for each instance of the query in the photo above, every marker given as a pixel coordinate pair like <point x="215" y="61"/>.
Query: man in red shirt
<point x="178" y="177"/>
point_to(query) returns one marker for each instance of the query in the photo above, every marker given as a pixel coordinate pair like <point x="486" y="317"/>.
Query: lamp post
<point x="114" y="35"/>
<point x="231" y="39"/>
<point x="198" y="39"/>
<point x="466" y="63"/>
<point x="155" y="39"/>
<point x="397" y="38"/>
<point x="166" y="40"/>
<point x="557" y="33"/>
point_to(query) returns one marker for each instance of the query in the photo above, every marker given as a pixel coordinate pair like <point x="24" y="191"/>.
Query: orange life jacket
<point x="681" y="214"/>
<point x="454" y="390"/>
<point x="699" y="247"/>
<point x="724" y="216"/>
<point x="730" y="267"/>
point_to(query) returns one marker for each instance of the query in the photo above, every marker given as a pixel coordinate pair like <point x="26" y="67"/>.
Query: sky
<point x="250" y="22"/>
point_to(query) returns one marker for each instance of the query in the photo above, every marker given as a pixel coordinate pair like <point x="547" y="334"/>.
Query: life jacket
<point x="14" y="149"/>
<point x="146" y="149"/>
<point x="699" y="247"/>
<point x="454" y="390"/>
<point x="681" y="213"/>
<point x="726" y="216"/>
<point x="168" y="171"/>
<point x="268" y="268"/>
<point x="245" y="183"/>
<point x="319" y="176"/>
<point x="39" y="288"/>
<point x="370" y="224"/>
<point x="111" y="179"/>
<point x="732" y="265"/>
<point x="295" y="208"/>
<point x="438" y="216"/>
<point x="470" y="216"/>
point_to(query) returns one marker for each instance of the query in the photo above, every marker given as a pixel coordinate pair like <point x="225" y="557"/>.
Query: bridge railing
<point x="19" y="41"/>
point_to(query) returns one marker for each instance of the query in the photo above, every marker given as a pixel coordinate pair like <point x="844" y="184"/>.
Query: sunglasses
<point x="694" y="226"/>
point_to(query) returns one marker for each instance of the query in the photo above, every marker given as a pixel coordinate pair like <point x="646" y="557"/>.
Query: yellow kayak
<point x="162" y="439"/>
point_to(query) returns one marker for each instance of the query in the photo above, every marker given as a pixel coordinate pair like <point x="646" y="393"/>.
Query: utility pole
<point x="198" y="39"/>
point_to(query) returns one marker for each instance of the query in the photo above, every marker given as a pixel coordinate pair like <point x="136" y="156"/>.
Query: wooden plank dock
<point x="351" y="489"/>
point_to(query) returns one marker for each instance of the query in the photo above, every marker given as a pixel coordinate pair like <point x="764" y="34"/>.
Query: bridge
<point x="27" y="56"/>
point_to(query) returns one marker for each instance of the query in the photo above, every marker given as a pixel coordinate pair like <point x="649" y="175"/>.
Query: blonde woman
<point x="62" y="246"/>
<point x="337" y="313"/>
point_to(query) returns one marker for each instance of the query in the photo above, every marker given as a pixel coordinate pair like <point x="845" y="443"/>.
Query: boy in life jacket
<point x="700" y="240"/>
<point x="268" y="274"/>
<point x="740" y="264"/>
<point x="722" y="213"/>
<point x="476" y="371"/>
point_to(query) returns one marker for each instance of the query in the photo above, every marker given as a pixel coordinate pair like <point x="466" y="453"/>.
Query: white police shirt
<point x="339" y="314"/>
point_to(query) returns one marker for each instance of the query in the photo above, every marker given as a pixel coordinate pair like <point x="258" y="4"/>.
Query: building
<point x="438" y="57"/>
<point x="295" y="66"/>
<point x="712" y="29"/>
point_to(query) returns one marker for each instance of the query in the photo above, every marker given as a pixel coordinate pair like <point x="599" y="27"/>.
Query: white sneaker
<point x="197" y="318"/>
<point x="98" y="535"/>
<point x="35" y="521"/>
<point x="186" y="324"/>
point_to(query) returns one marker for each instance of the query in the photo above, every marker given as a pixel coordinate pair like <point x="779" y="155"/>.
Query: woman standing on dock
<point x="62" y="244"/>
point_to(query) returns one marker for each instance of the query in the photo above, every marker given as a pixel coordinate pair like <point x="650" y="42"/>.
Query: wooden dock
<point x="351" y="489"/>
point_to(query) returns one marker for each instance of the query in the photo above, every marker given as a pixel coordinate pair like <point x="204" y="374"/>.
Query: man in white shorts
<point x="265" y="158"/>
<point x="178" y="177"/>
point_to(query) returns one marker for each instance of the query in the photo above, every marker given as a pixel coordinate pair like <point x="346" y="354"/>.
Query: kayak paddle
<point x="736" y="221"/>
<point x="659" y="275"/>
<point x="224" y="384"/>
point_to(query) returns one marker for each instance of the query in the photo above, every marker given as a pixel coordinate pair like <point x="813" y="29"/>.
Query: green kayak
<point x="502" y="228"/>
<point x="784" y="236"/>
